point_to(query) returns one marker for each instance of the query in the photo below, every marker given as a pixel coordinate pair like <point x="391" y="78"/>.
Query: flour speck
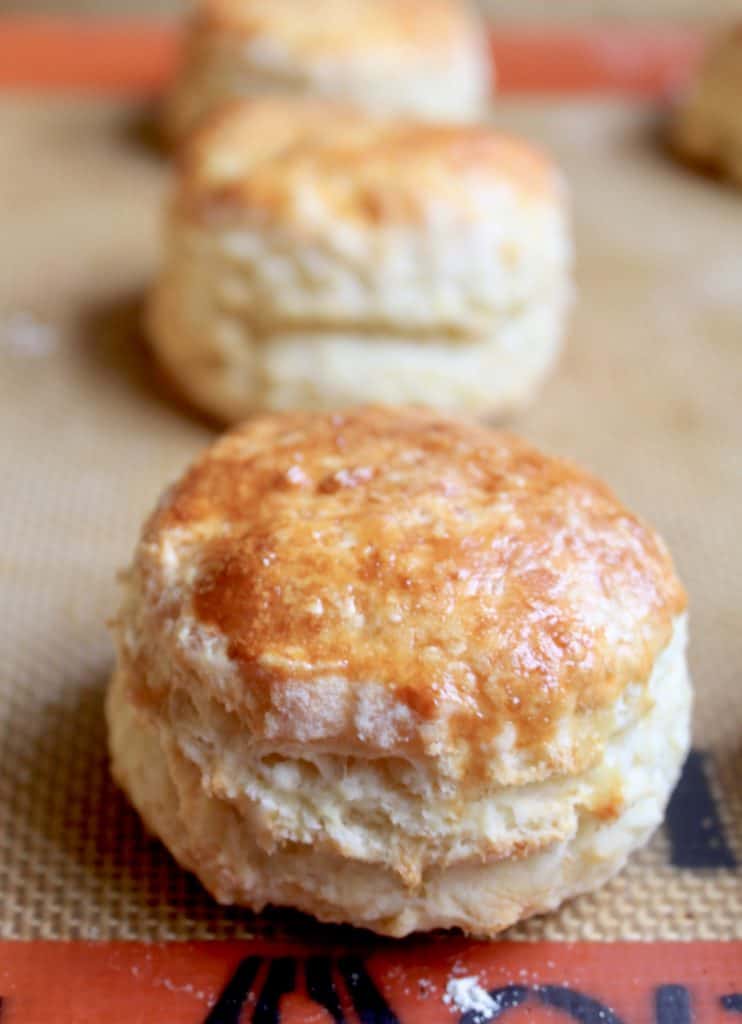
<point x="23" y="335"/>
<point x="468" y="996"/>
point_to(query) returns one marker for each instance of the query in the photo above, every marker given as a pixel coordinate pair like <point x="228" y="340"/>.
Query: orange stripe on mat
<point x="410" y="982"/>
<point x="107" y="56"/>
<point x="644" y="62"/>
<point x="140" y="57"/>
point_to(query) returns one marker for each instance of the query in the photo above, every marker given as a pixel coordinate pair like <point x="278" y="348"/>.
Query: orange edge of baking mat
<point x="139" y="57"/>
<point x="419" y="982"/>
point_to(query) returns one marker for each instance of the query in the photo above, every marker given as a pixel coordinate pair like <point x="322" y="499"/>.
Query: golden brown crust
<point x="343" y="28"/>
<point x="442" y="560"/>
<point x="266" y="155"/>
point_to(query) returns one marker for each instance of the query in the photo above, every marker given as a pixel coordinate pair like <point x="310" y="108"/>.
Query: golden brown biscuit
<point x="427" y="58"/>
<point x="398" y="670"/>
<point x="707" y="126"/>
<point x="318" y="257"/>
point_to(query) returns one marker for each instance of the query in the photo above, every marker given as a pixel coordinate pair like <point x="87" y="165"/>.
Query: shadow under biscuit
<point x="143" y="131"/>
<point x="130" y="128"/>
<point x="705" y="168"/>
<point x="115" y="339"/>
<point x="653" y="139"/>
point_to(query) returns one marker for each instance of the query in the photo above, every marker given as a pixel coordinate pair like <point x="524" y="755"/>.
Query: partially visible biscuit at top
<point x="345" y="29"/>
<point x="422" y="57"/>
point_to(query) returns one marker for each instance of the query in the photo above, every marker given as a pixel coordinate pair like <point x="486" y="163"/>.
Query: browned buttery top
<point x="299" y="160"/>
<point x="448" y="563"/>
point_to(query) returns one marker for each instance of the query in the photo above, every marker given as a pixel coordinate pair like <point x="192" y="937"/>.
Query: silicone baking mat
<point x="647" y="395"/>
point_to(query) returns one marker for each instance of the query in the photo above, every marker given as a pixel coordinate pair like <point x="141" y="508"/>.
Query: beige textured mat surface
<point x="647" y="395"/>
<point x="547" y="11"/>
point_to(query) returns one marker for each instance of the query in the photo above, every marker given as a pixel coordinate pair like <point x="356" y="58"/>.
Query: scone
<point x="317" y="257"/>
<point x="707" y="126"/>
<point x="428" y="58"/>
<point x="398" y="670"/>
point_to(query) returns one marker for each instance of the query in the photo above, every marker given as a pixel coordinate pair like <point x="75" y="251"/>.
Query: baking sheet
<point x="646" y="396"/>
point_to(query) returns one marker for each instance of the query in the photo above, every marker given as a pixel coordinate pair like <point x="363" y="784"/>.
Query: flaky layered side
<point x="413" y="57"/>
<point x="317" y="259"/>
<point x="374" y="842"/>
<point x="383" y="653"/>
<point x="230" y="368"/>
<point x="707" y="125"/>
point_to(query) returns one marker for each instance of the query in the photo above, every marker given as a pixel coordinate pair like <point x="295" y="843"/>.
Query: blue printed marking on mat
<point x="697" y="836"/>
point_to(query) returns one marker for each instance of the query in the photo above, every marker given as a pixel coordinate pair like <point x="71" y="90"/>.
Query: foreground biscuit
<point x="317" y="257"/>
<point x="707" y="127"/>
<point x="428" y="58"/>
<point x="399" y="671"/>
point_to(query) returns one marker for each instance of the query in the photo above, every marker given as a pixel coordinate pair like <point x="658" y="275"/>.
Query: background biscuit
<point x="707" y="125"/>
<point x="318" y="257"/>
<point x="427" y="58"/>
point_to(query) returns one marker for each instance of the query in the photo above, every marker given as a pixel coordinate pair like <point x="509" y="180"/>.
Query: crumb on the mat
<point x="426" y="988"/>
<point x="468" y="996"/>
<point x="187" y="989"/>
<point x="24" y="335"/>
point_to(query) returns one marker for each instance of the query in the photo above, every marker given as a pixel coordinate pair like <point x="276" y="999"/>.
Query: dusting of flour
<point x="468" y="996"/>
<point x="21" y="334"/>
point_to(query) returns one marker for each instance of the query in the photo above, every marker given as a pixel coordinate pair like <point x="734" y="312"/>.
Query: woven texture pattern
<point x="499" y="10"/>
<point x="646" y="397"/>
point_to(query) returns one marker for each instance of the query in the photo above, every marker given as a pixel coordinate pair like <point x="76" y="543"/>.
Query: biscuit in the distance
<point x="398" y="670"/>
<point x="427" y="58"/>
<point x="319" y="257"/>
<point x="706" y="129"/>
